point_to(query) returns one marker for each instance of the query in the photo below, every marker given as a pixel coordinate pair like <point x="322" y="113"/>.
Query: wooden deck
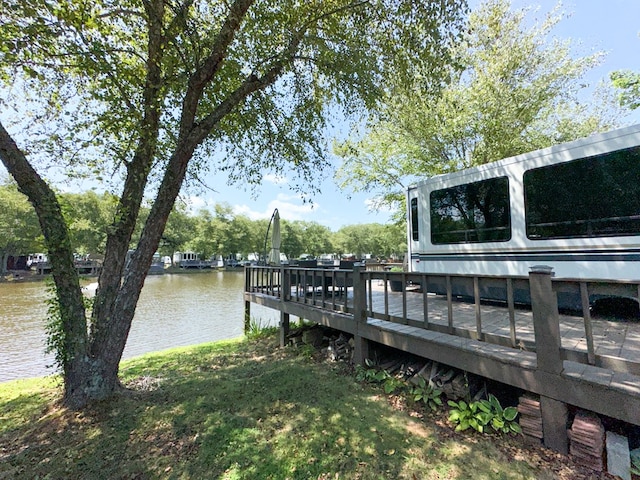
<point x="612" y="339"/>
<point x="589" y="363"/>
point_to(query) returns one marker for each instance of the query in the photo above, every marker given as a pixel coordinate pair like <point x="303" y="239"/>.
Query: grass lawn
<point x="244" y="409"/>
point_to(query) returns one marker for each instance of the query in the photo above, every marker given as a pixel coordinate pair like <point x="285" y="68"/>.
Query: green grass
<point x="237" y="410"/>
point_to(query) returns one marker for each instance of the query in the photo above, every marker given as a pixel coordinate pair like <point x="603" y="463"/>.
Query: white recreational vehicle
<point x="574" y="207"/>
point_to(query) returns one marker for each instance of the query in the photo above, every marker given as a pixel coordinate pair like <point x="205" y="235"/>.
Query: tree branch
<point x="200" y="79"/>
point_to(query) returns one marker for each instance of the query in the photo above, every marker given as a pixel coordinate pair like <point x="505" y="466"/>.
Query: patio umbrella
<point x="274" y="253"/>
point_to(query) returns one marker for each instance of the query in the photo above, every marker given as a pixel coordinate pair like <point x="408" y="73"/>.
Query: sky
<point x="593" y="25"/>
<point x="611" y="26"/>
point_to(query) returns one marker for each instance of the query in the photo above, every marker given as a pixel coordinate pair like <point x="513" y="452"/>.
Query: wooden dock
<point x="568" y="360"/>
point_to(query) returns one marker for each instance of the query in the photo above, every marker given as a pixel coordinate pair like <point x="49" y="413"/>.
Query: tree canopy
<point x="628" y="83"/>
<point x="19" y="229"/>
<point x="207" y="233"/>
<point x="510" y="89"/>
<point x="152" y="92"/>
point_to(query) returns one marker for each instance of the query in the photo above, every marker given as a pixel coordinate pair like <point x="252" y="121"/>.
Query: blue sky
<point x="611" y="26"/>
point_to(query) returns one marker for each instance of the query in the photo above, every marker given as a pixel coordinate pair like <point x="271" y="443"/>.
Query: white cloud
<point x="196" y="203"/>
<point x="290" y="208"/>
<point x="374" y="205"/>
<point x="276" y="179"/>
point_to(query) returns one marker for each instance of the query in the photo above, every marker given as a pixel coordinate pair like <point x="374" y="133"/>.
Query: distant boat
<point x="157" y="265"/>
<point x="90" y="289"/>
<point x="190" y="260"/>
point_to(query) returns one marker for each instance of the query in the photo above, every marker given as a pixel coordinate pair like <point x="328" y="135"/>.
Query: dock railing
<point x="459" y="305"/>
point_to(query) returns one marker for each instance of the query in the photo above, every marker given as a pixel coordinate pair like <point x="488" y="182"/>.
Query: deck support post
<point x="546" y="324"/>
<point x="247" y="305"/>
<point x="285" y="294"/>
<point x="361" y="347"/>
<point x="555" y="417"/>
<point x="284" y="328"/>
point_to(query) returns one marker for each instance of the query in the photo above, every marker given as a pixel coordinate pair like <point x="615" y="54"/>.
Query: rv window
<point x="590" y="197"/>
<point x="471" y="213"/>
<point x="415" y="234"/>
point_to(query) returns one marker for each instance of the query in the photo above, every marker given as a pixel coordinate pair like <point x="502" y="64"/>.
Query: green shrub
<point x="258" y="330"/>
<point x="369" y="373"/>
<point x="483" y="413"/>
<point x="423" y="392"/>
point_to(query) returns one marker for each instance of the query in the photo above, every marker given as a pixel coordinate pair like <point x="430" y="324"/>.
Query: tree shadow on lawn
<point x="241" y="414"/>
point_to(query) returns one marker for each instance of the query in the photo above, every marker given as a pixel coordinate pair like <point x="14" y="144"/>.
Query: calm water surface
<point x="174" y="310"/>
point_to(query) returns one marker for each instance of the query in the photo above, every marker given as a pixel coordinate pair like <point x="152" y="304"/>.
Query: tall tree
<point x="88" y="216"/>
<point x="372" y="238"/>
<point x="316" y="238"/>
<point x="511" y="89"/>
<point x="292" y="239"/>
<point x="628" y="84"/>
<point x="19" y="230"/>
<point x="149" y="90"/>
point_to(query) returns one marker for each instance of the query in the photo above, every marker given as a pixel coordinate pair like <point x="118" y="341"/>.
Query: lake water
<point x="174" y="310"/>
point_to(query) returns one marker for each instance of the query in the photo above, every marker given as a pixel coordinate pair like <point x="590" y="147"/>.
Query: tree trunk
<point x="72" y="330"/>
<point x="3" y="262"/>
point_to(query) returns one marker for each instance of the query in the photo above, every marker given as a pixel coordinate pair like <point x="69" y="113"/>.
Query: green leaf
<point x="484" y="417"/>
<point x="515" y="427"/>
<point x="510" y="413"/>
<point x="484" y="406"/>
<point x="464" y="425"/>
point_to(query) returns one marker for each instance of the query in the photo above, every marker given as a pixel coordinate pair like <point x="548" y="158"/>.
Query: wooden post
<point x="546" y="324"/>
<point x="555" y="417"/>
<point x="284" y="328"/>
<point x="588" y="329"/>
<point x="247" y="305"/>
<point x="285" y="294"/>
<point x="476" y="296"/>
<point x="361" y="347"/>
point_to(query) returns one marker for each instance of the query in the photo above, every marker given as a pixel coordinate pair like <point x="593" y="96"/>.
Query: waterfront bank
<point x="174" y="310"/>
<point x="247" y="410"/>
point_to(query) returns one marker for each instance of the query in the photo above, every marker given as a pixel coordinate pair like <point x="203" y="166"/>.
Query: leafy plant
<point x="503" y="420"/>
<point x="257" y="329"/>
<point x="392" y="384"/>
<point x="467" y="415"/>
<point x="424" y="392"/>
<point x="369" y="373"/>
<point x="482" y="413"/>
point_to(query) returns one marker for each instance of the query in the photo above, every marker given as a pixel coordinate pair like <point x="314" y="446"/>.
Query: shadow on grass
<point x="235" y="412"/>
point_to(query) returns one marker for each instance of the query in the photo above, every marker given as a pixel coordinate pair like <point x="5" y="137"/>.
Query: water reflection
<point x="174" y="310"/>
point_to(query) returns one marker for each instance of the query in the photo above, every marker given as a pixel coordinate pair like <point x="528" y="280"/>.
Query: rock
<point x="618" y="457"/>
<point x="313" y="336"/>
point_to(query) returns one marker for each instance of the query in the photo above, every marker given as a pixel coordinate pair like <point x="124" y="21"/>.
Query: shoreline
<point x="11" y="276"/>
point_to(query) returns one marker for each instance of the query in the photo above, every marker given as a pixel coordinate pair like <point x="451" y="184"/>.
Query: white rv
<point x="574" y="207"/>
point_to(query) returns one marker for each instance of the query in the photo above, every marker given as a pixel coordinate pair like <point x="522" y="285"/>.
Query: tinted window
<point x="471" y="213"/>
<point x="414" y="219"/>
<point x="591" y="197"/>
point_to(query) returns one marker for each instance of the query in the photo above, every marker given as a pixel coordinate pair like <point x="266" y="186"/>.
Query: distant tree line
<point x="217" y="232"/>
